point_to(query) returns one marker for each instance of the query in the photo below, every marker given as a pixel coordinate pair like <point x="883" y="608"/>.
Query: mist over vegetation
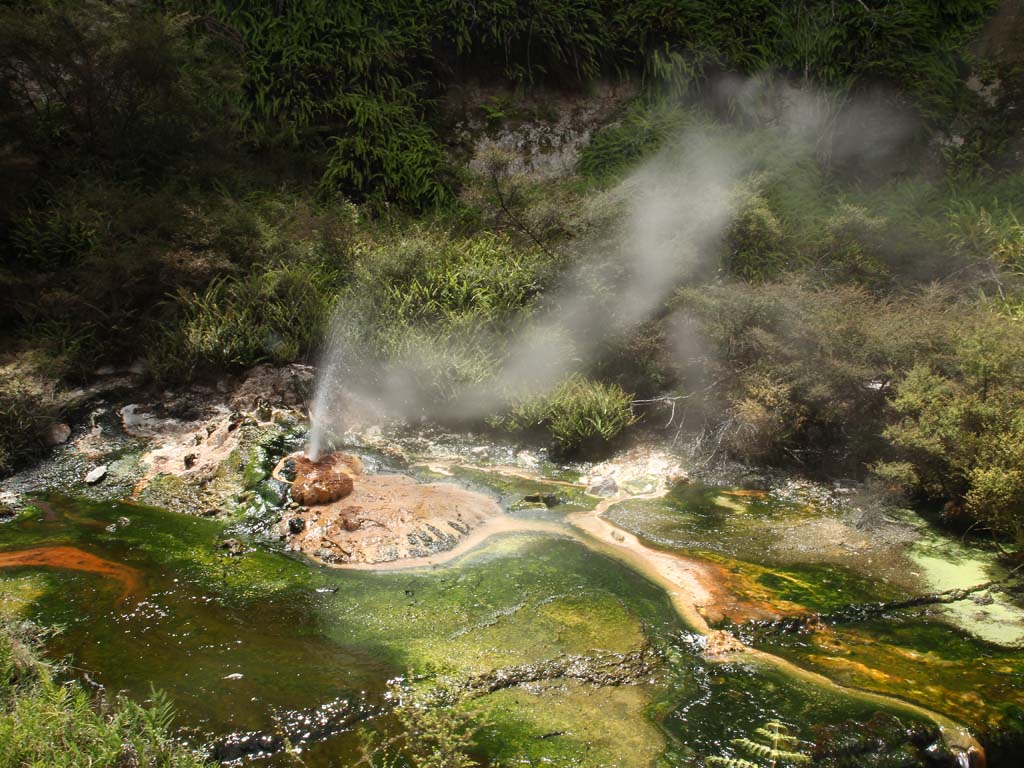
<point x="795" y="239"/>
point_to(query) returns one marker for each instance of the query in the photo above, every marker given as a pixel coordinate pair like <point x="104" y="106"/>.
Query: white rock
<point x="527" y="459"/>
<point x="602" y="486"/>
<point x="234" y="676"/>
<point x="96" y="474"/>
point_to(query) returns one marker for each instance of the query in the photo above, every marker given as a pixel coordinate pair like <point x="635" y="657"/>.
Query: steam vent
<point x="326" y="480"/>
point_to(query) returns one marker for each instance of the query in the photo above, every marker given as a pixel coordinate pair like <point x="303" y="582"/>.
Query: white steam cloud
<point x="677" y="207"/>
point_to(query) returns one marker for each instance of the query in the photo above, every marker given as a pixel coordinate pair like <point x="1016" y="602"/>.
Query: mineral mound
<point x="323" y="481"/>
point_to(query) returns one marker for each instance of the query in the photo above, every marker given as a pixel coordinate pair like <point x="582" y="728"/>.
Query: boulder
<point x="57" y="434"/>
<point x="323" y="481"/>
<point x="602" y="486"/>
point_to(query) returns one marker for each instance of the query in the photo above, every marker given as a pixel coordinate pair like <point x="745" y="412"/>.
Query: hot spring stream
<point x="572" y="649"/>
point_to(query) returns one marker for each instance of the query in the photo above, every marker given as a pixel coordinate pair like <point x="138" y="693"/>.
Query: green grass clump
<point x="582" y="416"/>
<point x="27" y="408"/>
<point x="637" y="134"/>
<point x="276" y="315"/>
<point x="440" y="310"/>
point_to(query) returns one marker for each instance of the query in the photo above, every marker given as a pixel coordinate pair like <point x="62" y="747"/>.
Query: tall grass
<point x="277" y="315"/>
<point x="27" y="408"/>
<point x="583" y="417"/>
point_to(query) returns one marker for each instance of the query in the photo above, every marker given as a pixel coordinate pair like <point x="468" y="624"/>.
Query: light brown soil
<point x="390" y="519"/>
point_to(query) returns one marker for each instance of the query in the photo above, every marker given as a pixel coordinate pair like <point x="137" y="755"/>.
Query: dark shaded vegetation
<point x="44" y="721"/>
<point x="200" y="183"/>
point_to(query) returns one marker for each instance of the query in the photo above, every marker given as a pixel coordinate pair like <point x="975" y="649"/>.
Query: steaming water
<point x="242" y="644"/>
<point x="324" y="412"/>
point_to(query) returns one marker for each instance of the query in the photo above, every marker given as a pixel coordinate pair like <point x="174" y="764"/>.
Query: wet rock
<point x="121" y="522"/>
<point x="720" y="643"/>
<point x="547" y="499"/>
<point x="288" y="469"/>
<point x="296" y="525"/>
<point x="288" y="385"/>
<point x="232" y="547"/>
<point x="293" y="730"/>
<point x="263" y="411"/>
<point x="140" y="420"/>
<point x="527" y="460"/>
<point x="324" y="481"/>
<point x="57" y="434"/>
<point x="612" y="669"/>
<point x="602" y="486"/>
<point x="96" y="474"/>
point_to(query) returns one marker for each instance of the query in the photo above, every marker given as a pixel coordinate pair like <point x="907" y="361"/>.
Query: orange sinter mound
<point x="323" y="481"/>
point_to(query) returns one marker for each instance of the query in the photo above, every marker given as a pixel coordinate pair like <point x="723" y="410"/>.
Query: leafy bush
<point x="347" y="80"/>
<point x="640" y="131"/>
<point x="582" y="416"/>
<point x="959" y="433"/>
<point x="277" y="314"/>
<point x="43" y="722"/>
<point x="794" y="373"/>
<point x="989" y="234"/>
<point x="122" y="88"/>
<point x="754" y="243"/>
<point x="51" y="239"/>
<point x="853" y="248"/>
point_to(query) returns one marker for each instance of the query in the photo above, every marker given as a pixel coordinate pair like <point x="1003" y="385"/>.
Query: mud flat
<point x="390" y="520"/>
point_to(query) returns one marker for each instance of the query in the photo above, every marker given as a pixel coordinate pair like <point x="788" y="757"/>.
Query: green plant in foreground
<point x="433" y="733"/>
<point x="773" y="747"/>
<point x="59" y="725"/>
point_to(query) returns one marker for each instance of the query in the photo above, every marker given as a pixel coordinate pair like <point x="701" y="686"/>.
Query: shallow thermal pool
<point x="254" y="647"/>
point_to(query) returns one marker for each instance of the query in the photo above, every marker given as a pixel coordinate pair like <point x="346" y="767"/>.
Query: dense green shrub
<point x="44" y="722"/>
<point x="959" y="432"/>
<point x="642" y="128"/>
<point x="993" y="234"/>
<point x="582" y="416"/>
<point x="119" y="87"/>
<point x="345" y="80"/>
<point x="794" y="373"/>
<point x="755" y="248"/>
